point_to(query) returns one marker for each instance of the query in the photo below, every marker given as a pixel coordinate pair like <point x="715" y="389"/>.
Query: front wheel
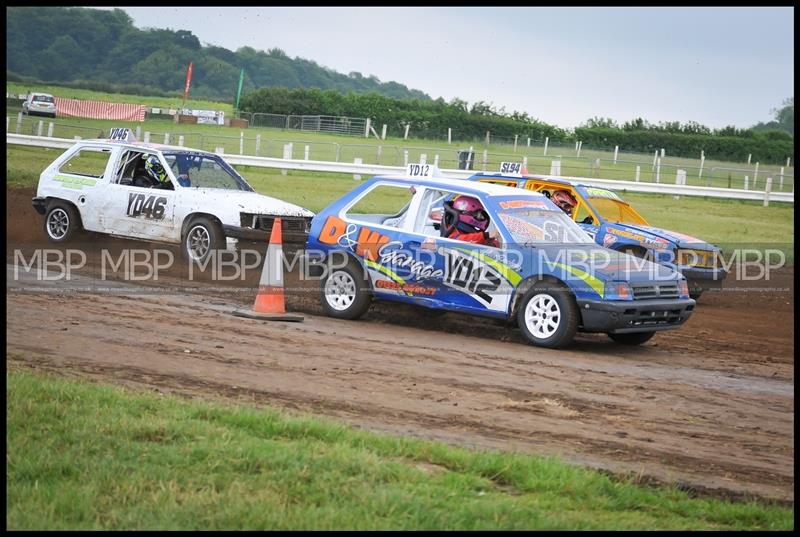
<point x="548" y="315"/>
<point x="61" y="221"/>
<point x="346" y="293"/>
<point x="202" y="238"/>
<point x="635" y="338"/>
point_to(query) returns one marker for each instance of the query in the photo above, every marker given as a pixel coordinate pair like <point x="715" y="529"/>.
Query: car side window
<point x="89" y="162"/>
<point x="431" y="210"/>
<point x="130" y="169"/>
<point x="582" y="215"/>
<point x="384" y="204"/>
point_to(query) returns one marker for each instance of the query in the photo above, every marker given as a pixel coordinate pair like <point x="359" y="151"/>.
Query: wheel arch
<point x="191" y="216"/>
<point x="49" y="200"/>
<point x="526" y="284"/>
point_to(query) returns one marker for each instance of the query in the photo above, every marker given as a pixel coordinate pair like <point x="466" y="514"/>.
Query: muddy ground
<point x="709" y="406"/>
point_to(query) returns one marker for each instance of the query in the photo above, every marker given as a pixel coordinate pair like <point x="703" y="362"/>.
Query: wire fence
<point x="554" y="159"/>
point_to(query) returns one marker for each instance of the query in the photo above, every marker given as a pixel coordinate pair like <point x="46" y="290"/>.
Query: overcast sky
<point x="715" y="65"/>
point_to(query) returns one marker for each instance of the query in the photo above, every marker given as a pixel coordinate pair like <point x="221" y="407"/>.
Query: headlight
<point x="683" y="288"/>
<point x="618" y="291"/>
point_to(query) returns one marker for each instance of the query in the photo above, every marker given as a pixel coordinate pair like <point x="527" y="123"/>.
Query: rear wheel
<point x="345" y="292"/>
<point x="61" y="221"/>
<point x="635" y="338"/>
<point x="548" y="315"/>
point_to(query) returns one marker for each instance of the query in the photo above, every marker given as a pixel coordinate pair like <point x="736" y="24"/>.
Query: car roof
<point x="143" y="145"/>
<point x="536" y="176"/>
<point x="460" y="184"/>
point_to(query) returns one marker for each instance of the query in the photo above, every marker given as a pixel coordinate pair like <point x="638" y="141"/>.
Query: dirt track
<point x="710" y="405"/>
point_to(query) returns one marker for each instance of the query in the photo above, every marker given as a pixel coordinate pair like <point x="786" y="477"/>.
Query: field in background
<point x="93" y="456"/>
<point x="392" y="151"/>
<point x="716" y="220"/>
<point x="157" y="102"/>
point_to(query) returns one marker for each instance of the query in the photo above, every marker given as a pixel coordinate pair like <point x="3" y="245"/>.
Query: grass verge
<point x="92" y="456"/>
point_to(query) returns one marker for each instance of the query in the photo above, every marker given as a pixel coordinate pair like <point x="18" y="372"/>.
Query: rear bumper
<point x="635" y="315"/>
<point x="40" y="204"/>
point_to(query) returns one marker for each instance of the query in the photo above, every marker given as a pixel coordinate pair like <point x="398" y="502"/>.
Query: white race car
<point x="154" y="192"/>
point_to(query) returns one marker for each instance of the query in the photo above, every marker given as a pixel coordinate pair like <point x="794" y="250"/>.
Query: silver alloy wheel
<point x="340" y="290"/>
<point x="542" y="316"/>
<point x="198" y="242"/>
<point x="57" y="223"/>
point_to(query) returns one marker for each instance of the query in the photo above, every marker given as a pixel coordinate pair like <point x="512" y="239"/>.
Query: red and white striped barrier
<point x="99" y="109"/>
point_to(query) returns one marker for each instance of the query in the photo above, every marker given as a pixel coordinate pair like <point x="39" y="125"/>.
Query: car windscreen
<point x="43" y="98"/>
<point x="202" y="170"/>
<point x="616" y="211"/>
<point x="533" y="224"/>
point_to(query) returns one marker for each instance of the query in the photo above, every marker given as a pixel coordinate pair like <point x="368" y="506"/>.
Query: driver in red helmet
<point x="466" y="220"/>
<point x="564" y="200"/>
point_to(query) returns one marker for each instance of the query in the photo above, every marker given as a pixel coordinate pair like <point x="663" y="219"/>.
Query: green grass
<point x="88" y="456"/>
<point x="158" y="102"/>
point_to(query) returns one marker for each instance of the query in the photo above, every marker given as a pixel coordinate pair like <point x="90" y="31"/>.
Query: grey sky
<point x="717" y="66"/>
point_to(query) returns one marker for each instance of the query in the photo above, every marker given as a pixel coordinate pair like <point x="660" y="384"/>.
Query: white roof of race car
<point x="142" y="145"/>
<point x="491" y="189"/>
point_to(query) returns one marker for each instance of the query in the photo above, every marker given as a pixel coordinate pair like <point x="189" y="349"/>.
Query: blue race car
<point x="614" y="224"/>
<point x="387" y="239"/>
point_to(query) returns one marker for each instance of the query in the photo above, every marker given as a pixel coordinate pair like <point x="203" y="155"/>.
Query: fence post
<point x="485" y="158"/>
<point x="580" y="145"/>
<point x="287" y="122"/>
<point x="405" y="157"/>
<point x="287" y="155"/>
<point x="147" y="137"/>
<point x="638" y="171"/>
<point x="405" y="136"/>
<point x="77" y="138"/>
<point x="470" y="163"/>
<point x="555" y="167"/>
<point x="749" y="156"/>
<point x="166" y="138"/>
<point x="306" y="152"/>
<point x="576" y="146"/>
<point x="680" y="179"/>
<point x="655" y="158"/>
<point x="19" y="122"/>
<point x="50" y="130"/>
<point x="703" y="161"/>
<point x="39" y="128"/>
<point x="449" y="135"/>
<point x="219" y="150"/>
<point x="357" y="161"/>
<point x="8" y="122"/>
<point x="383" y="132"/>
<point x="767" y="190"/>
<point x="546" y="140"/>
<point x="487" y="138"/>
<point x="258" y="144"/>
<point x="436" y="160"/>
<point x="662" y="152"/>
<point x="524" y="165"/>
<point x="755" y="177"/>
<point x="241" y="142"/>
<point x="781" y="180"/>
<point x="423" y="158"/>
<point x="787" y="161"/>
<point x="180" y="140"/>
<point x="366" y="129"/>
<point x="138" y="131"/>
<point x="616" y="152"/>
<point x="658" y="170"/>
<point x="378" y="155"/>
<point x="746" y="183"/>
<point x="529" y="142"/>
<point x="515" y="142"/>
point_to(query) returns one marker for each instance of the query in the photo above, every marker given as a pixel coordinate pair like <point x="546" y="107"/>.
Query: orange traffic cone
<point x="270" y="302"/>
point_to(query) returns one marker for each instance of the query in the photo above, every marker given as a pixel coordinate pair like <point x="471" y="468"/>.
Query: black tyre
<point x="548" y="315"/>
<point x="201" y="238"/>
<point x="635" y="338"/>
<point x="61" y="221"/>
<point x="695" y="293"/>
<point x="346" y="292"/>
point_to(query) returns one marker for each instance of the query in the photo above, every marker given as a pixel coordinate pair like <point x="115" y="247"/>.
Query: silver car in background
<point x="39" y="104"/>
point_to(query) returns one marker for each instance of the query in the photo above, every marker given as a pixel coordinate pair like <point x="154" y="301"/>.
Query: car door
<point x="137" y="211"/>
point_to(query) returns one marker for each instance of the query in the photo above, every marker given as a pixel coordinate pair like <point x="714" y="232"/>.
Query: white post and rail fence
<point x="679" y="188"/>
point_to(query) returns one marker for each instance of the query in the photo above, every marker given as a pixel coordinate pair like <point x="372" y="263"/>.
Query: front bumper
<point x="703" y="278"/>
<point x="621" y="317"/>
<point x="262" y="236"/>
